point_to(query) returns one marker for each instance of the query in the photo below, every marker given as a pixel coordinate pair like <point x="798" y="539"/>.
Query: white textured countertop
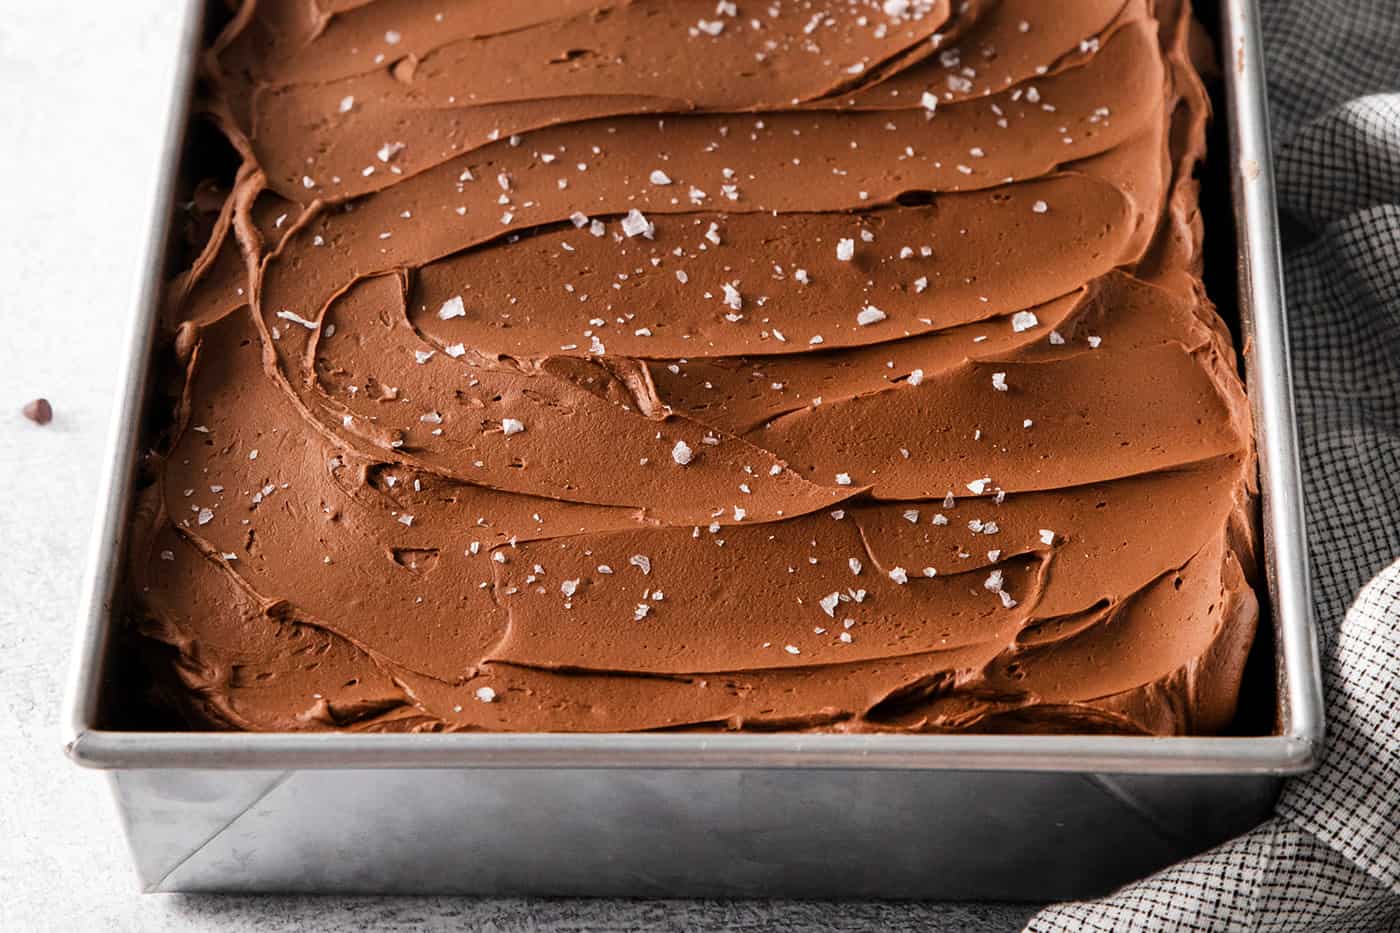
<point x="83" y="93"/>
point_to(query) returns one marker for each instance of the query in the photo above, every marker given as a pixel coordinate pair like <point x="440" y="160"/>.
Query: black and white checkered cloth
<point x="1329" y="860"/>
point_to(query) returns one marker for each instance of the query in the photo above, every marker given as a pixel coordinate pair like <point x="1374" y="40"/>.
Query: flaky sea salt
<point x="451" y="308"/>
<point x="1024" y="320"/>
<point x="869" y="315"/>
<point x="636" y="224"/>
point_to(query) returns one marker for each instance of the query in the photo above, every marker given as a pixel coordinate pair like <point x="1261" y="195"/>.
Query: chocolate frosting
<point x="659" y="364"/>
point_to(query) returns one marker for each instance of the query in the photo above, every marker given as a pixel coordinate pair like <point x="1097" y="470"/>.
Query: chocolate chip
<point x="38" y="411"/>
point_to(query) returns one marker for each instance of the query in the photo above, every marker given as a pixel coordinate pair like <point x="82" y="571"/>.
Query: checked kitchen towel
<point x="1330" y="858"/>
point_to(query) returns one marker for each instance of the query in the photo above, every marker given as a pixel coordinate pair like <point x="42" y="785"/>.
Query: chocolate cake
<point x="656" y="364"/>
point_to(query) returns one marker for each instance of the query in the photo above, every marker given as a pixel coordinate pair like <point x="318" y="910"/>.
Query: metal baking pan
<point x="935" y="816"/>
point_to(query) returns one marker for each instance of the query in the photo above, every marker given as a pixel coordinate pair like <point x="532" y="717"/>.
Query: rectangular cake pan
<point x="932" y="816"/>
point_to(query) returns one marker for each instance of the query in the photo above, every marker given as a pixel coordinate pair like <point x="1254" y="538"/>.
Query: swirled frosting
<point x="656" y="364"/>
